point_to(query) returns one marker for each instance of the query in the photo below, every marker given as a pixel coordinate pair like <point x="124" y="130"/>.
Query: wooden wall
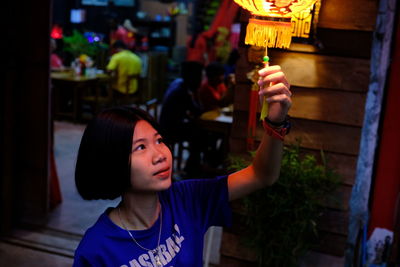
<point x="329" y="86"/>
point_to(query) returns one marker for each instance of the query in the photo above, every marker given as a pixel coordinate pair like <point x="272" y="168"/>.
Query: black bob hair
<point x="103" y="163"/>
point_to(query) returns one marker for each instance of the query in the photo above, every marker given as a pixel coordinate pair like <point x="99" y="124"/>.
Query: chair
<point x="179" y="145"/>
<point x="98" y="96"/>
<point x="151" y="107"/>
<point x="177" y="148"/>
<point x="126" y="98"/>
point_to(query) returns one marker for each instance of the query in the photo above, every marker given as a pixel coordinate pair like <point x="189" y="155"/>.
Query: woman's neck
<point x="139" y="211"/>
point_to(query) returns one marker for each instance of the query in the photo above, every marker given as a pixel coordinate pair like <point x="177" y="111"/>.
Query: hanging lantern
<point x="270" y="24"/>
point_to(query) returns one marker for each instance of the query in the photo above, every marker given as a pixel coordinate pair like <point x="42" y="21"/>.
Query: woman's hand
<point x="276" y="89"/>
<point x="267" y="162"/>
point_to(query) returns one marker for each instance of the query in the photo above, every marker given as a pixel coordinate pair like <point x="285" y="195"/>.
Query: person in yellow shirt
<point x="125" y="66"/>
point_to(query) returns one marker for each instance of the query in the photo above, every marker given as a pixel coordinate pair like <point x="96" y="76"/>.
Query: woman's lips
<point x="164" y="173"/>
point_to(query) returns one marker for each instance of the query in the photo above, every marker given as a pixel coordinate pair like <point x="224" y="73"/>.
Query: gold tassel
<point x="264" y="109"/>
<point x="269" y="33"/>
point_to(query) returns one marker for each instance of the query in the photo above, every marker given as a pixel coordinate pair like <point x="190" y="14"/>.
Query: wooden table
<point x="220" y="123"/>
<point x="216" y="121"/>
<point x="68" y="90"/>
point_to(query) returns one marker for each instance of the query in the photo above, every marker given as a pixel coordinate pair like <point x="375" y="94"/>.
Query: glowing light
<point x="56" y="32"/>
<point x="270" y="25"/>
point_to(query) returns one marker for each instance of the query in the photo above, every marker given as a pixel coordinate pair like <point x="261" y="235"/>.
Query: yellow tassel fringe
<point x="269" y="33"/>
<point x="264" y="109"/>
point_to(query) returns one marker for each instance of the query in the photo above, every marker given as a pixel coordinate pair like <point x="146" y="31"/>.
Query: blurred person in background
<point x="56" y="63"/>
<point x="215" y="92"/>
<point x="180" y="110"/>
<point x="213" y="95"/>
<point x="125" y="68"/>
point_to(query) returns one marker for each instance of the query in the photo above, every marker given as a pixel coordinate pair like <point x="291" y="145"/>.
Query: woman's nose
<point x="159" y="155"/>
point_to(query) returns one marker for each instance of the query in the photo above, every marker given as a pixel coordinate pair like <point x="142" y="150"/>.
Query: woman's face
<point x="151" y="160"/>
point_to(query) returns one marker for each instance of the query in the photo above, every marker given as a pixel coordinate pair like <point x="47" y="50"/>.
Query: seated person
<point x="56" y="63"/>
<point x="125" y="67"/>
<point x="179" y="109"/>
<point x="214" y="93"/>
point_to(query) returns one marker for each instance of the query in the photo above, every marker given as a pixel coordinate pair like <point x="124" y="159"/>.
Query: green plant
<point x="78" y="44"/>
<point x="282" y="219"/>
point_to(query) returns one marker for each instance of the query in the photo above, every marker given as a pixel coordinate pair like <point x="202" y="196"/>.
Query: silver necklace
<point x="156" y="252"/>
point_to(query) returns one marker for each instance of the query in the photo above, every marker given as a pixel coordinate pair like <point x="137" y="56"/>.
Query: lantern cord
<point x="264" y="109"/>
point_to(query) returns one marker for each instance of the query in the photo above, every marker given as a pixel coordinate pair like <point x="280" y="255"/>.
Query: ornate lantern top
<point x="275" y="8"/>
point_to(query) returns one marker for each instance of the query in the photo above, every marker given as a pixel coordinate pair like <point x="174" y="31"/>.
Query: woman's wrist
<point x="277" y="130"/>
<point x="277" y="123"/>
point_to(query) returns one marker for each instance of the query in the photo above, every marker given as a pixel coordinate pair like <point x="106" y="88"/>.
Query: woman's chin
<point x="164" y="184"/>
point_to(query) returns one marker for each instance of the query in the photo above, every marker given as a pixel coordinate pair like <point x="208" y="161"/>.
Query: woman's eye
<point x="139" y="147"/>
<point x="160" y="140"/>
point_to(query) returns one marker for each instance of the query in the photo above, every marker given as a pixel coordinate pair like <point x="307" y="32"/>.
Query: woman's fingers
<point x="269" y="70"/>
<point x="273" y="82"/>
<point x="273" y="78"/>
<point x="282" y="98"/>
<point x="276" y="89"/>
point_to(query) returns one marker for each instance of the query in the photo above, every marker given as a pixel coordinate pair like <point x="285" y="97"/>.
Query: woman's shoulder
<point x="97" y="233"/>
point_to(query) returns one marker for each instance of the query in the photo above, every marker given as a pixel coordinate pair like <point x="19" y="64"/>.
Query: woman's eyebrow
<point x="144" y="139"/>
<point x="139" y="140"/>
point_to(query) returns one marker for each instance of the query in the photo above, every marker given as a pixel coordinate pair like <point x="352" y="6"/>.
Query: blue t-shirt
<point x="189" y="208"/>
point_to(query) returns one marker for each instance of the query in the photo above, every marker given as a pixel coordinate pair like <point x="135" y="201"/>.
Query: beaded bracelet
<point x="276" y="130"/>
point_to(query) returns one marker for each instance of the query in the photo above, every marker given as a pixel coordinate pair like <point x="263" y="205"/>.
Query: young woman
<point x="159" y="223"/>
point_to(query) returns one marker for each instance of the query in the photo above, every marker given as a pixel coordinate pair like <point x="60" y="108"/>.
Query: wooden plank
<point x="338" y="200"/>
<point x="348" y="43"/>
<point x="325" y="136"/>
<point x="349" y="15"/>
<point x="344" y="165"/>
<point x="322" y="71"/>
<point x="316" y="104"/>
<point x="313" y="70"/>
<point x="332" y="244"/>
<point x="313" y="134"/>
<point x="334" y="222"/>
<point x="328" y="105"/>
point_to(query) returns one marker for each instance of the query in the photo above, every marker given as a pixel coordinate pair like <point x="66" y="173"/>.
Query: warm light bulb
<point x="267" y="6"/>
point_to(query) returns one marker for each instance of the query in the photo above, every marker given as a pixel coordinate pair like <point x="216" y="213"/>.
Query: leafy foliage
<point x="282" y="219"/>
<point x="77" y="44"/>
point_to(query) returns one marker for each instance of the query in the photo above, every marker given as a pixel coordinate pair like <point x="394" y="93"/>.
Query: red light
<point x="56" y="32"/>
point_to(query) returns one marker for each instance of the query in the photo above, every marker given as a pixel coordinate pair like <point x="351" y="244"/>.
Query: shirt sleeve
<point x="81" y="261"/>
<point x="207" y="201"/>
